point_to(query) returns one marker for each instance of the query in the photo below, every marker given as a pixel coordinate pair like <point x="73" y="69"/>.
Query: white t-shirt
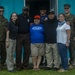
<point x="61" y="33"/>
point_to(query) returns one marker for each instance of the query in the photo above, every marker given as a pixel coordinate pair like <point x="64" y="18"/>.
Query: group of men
<point x="23" y="39"/>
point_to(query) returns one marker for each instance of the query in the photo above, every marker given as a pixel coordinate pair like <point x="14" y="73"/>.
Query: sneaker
<point x="25" y="68"/>
<point x="74" y="66"/>
<point x="62" y="70"/>
<point x="70" y="67"/>
<point x="48" y="68"/>
<point x="12" y="71"/>
<point x="18" y="69"/>
<point x="56" y="69"/>
<point x="0" y="69"/>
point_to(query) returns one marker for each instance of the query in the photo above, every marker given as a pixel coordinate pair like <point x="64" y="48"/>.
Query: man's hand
<point x="68" y="22"/>
<point x="67" y="44"/>
<point x="74" y="38"/>
<point x="7" y="44"/>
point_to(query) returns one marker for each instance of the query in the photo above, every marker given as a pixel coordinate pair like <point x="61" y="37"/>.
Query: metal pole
<point x="57" y="8"/>
<point x="24" y="2"/>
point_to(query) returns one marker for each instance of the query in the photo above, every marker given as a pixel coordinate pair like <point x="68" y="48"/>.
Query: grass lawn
<point x="40" y="72"/>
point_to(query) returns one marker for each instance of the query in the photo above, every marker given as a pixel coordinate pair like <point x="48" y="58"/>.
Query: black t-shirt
<point x="50" y="30"/>
<point x="24" y="24"/>
<point x="13" y="30"/>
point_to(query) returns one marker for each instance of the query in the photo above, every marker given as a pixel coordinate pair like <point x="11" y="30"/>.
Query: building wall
<point x="16" y="6"/>
<point x="61" y="4"/>
<point x="12" y="6"/>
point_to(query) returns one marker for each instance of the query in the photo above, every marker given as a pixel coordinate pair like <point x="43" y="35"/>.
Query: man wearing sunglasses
<point x="71" y="18"/>
<point x="3" y="24"/>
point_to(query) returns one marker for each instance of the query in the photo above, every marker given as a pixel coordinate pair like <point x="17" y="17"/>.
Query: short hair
<point x="1" y="7"/>
<point x="43" y="8"/>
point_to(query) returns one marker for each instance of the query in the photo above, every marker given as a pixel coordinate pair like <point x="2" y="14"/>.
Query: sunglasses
<point x="66" y="8"/>
<point x="1" y="10"/>
<point x="25" y="10"/>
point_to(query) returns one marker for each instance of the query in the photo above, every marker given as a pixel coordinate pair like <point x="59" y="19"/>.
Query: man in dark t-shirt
<point x="23" y="39"/>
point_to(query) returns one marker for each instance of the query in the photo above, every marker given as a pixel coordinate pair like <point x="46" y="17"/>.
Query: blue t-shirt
<point x="43" y="17"/>
<point x="37" y="33"/>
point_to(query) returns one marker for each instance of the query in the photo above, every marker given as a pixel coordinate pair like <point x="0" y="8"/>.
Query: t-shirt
<point x="24" y="24"/>
<point x="43" y="18"/>
<point x="50" y="30"/>
<point x="37" y="33"/>
<point x="13" y="30"/>
<point x="61" y="33"/>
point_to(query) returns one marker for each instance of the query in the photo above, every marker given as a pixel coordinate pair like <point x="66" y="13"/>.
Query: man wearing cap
<point x="43" y="18"/>
<point x="23" y="39"/>
<point x="71" y="18"/>
<point x="3" y="24"/>
<point x="50" y="39"/>
<point x="37" y="42"/>
<point x="43" y="14"/>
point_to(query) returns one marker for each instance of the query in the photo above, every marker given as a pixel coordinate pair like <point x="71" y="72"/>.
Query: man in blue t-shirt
<point x="43" y="15"/>
<point x="43" y="18"/>
<point x="37" y="42"/>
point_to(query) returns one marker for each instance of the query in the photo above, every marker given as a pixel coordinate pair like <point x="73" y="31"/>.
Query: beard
<point x="25" y="13"/>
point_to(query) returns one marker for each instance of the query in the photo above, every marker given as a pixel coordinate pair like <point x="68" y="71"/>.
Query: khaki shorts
<point x="37" y="49"/>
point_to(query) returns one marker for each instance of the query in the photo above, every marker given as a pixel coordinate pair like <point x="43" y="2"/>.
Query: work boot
<point x="0" y="67"/>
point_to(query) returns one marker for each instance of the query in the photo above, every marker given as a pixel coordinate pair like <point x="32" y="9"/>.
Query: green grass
<point x="40" y="72"/>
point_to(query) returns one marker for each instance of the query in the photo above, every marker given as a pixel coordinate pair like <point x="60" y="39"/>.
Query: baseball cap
<point x="36" y="17"/>
<point x="25" y="8"/>
<point x="1" y="7"/>
<point x="67" y="5"/>
<point x="51" y="11"/>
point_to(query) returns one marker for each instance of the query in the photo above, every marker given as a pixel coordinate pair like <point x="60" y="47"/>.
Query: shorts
<point x="37" y="49"/>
